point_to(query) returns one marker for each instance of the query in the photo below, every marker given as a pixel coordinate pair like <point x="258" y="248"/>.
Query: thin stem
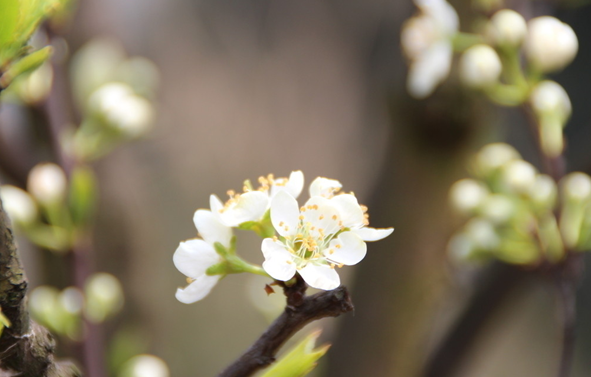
<point x="59" y="115"/>
<point x="567" y="298"/>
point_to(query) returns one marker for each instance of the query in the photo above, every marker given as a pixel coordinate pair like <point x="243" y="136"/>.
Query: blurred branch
<point x="299" y="311"/>
<point x="493" y="287"/>
<point x="26" y="347"/>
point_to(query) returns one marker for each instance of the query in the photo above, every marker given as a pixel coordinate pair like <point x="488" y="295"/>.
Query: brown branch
<point x="26" y="348"/>
<point x="300" y="311"/>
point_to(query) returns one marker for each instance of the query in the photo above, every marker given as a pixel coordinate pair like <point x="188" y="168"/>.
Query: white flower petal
<point x="216" y="206"/>
<point x="211" y="229"/>
<point x="197" y="290"/>
<point x="324" y="187"/>
<point x="295" y="185"/>
<point x="347" y="249"/>
<point x="320" y="276"/>
<point x="278" y="261"/>
<point x="372" y="234"/>
<point x="350" y="212"/>
<point x="442" y="13"/>
<point x="429" y="69"/>
<point x="285" y="214"/>
<point x="250" y="206"/>
<point x="194" y="257"/>
<point x="322" y="215"/>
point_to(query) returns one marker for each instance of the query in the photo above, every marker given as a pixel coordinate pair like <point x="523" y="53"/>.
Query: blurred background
<point x="251" y="87"/>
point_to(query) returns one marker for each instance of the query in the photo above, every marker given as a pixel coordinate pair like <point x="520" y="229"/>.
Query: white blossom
<point x="18" y="204"/>
<point x="251" y="205"/>
<point x="426" y="41"/>
<point x="195" y="256"/>
<point x="323" y="234"/>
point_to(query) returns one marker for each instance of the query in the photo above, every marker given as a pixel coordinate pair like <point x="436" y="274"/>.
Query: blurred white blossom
<point x="426" y="41"/>
<point x="47" y="183"/>
<point x="18" y="204"/>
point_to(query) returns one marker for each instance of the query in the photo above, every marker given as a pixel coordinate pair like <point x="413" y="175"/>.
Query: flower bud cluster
<point x="511" y="210"/>
<point x="114" y="95"/>
<point x="490" y="60"/>
<point x="53" y="208"/>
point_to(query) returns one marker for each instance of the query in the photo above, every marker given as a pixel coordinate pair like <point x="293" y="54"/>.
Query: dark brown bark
<point x="26" y="348"/>
<point x="300" y="311"/>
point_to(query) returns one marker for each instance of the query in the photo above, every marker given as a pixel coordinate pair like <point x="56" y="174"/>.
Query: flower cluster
<point x="518" y="215"/>
<point x="489" y="55"/>
<point x="327" y="232"/>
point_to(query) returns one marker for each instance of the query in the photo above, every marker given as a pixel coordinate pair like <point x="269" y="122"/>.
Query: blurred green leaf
<point x="83" y="194"/>
<point x="300" y="360"/>
<point x="26" y="65"/>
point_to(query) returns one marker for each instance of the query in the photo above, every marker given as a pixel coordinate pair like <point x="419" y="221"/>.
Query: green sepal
<point x="25" y="65"/>
<point x="300" y="360"/>
<point x="221" y="268"/>
<point x="264" y="228"/>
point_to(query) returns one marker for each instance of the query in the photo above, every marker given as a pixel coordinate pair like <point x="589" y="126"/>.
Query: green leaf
<point x="300" y="360"/>
<point x="27" y="64"/>
<point x="9" y="15"/>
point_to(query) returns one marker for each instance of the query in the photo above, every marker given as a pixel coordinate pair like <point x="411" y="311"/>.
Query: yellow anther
<point x="301" y="217"/>
<point x="281" y="223"/>
<point x="331" y="251"/>
<point x="299" y="235"/>
<point x="341" y="265"/>
<point x="275" y="238"/>
<point x="334" y="217"/>
<point x="231" y="193"/>
<point x="288" y="262"/>
<point x="302" y="209"/>
<point x="190" y="280"/>
<point x="315" y="206"/>
<point x="338" y="246"/>
<point x="286" y="228"/>
<point x="332" y="265"/>
<point x="312" y="227"/>
<point x="321" y="217"/>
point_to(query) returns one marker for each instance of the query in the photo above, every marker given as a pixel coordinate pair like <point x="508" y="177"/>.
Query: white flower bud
<point x="460" y="247"/>
<point x="507" y="27"/>
<point x="519" y="176"/>
<point x="47" y="183"/>
<point x="576" y="186"/>
<point x="145" y="366"/>
<point x="493" y="156"/>
<point x="18" y="204"/>
<point x="549" y="99"/>
<point x="122" y="109"/>
<point x="543" y="191"/>
<point x="104" y="296"/>
<point x="482" y="233"/>
<point x="72" y="300"/>
<point x="480" y="66"/>
<point x="550" y="44"/>
<point x="498" y="208"/>
<point x="467" y="194"/>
